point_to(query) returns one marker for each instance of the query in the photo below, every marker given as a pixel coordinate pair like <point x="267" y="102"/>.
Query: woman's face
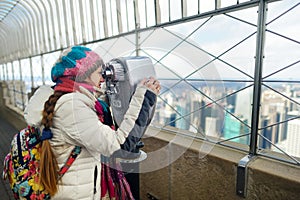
<point x="96" y="78"/>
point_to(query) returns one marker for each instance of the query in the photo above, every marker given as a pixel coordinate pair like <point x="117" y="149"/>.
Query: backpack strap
<point x="75" y="152"/>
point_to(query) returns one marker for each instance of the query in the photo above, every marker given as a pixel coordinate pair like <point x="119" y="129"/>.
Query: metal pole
<point x="93" y="18"/>
<point x="137" y="27"/>
<point x="66" y="22"/>
<point x="74" y="30"/>
<point x="59" y="20"/>
<point x="260" y="39"/>
<point x="6" y="71"/>
<point x="82" y="18"/>
<point x="157" y="12"/>
<point x="14" y="83"/>
<point x="31" y="74"/>
<point x="21" y="85"/>
<point x="119" y="17"/>
<point x="1" y="74"/>
<point x="242" y="171"/>
<point x="104" y="14"/>
<point x="183" y="8"/>
<point x="43" y="69"/>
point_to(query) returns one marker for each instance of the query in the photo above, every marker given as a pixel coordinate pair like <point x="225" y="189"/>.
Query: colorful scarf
<point x="113" y="182"/>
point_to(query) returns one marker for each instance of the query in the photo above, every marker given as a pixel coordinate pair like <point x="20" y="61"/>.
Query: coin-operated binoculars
<point x="122" y="76"/>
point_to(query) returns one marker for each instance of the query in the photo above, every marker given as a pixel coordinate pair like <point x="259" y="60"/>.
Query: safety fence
<point x="228" y="69"/>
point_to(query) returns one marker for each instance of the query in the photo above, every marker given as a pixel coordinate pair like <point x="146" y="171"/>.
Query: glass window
<point x="175" y="9"/>
<point x="26" y="74"/>
<point x="164" y="11"/>
<point x="49" y="61"/>
<point x="9" y="71"/>
<point x="150" y="9"/>
<point x="2" y="72"/>
<point x="37" y="71"/>
<point x="63" y="27"/>
<point x="280" y="97"/>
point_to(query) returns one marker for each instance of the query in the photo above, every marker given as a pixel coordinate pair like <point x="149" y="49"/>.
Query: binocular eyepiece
<point x="113" y="72"/>
<point x="108" y="72"/>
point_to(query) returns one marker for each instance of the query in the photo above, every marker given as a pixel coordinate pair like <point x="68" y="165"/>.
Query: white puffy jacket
<point x="75" y="122"/>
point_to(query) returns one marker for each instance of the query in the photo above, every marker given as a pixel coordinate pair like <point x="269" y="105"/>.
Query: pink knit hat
<point x="77" y="62"/>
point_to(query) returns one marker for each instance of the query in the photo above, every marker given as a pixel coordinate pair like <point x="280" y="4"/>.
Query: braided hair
<point x="48" y="163"/>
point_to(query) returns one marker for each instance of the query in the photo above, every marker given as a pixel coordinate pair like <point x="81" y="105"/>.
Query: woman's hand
<point x="152" y="83"/>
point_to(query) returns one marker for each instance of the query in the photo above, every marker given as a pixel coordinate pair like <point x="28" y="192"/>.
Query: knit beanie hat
<point x="77" y="62"/>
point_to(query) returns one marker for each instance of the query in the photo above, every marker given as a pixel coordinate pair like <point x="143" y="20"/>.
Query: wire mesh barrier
<point x="228" y="68"/>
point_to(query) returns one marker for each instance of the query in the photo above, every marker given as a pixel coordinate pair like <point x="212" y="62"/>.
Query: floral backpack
<point x="21" y="165"/>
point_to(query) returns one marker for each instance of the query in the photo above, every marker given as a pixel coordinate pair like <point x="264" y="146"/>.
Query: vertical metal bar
<point x="29" y="31"/>
<point x="41" y="25"/>
<point x="47" y="25"/>
<point x="260" y="39"/>
<point x="34" y="23"/>
<point x="169" y="10"/>
<point x="14" y="84"/>
<point x="3" y="71"/>
<point x="43" y="69"/>
<point x="66" y="22"/>
<point x="137" y="27"/>
<point x="92" y="7"/>
<point x="157" y="12"/>
<point x="183" y="8"/>
<point x="146" y="13"/>
<point x="35" y="38"/>
<point x="53" y="25"/>
<point x="217" y="4"/>
<point x="82" y="22"/>
<point x="6" y="71"/>
<point x="98" y="5"/>
<point x="21" y="85"/>
<point x="72" y="5"/>
<point x="111" y="18"/>
<point x="57" y="7"/>
<point x="31" y="74"/>
<point x="127" y="16"/>
<point x="119" y="17"/>
<point x="104" y="18"/>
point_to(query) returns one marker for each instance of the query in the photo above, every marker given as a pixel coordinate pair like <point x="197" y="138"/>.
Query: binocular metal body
<point x="122" y="75"/>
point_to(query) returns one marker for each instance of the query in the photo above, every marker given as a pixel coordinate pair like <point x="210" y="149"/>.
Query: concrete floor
<point x="7" y="131"/>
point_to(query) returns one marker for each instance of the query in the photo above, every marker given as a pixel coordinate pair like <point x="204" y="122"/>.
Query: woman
<point x="73" y="116"/>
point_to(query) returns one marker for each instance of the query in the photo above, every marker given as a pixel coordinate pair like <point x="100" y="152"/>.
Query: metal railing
<point x="210" y="60"/>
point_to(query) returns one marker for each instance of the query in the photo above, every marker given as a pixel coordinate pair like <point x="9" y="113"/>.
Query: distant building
<point x="243" y="103"/>
<point x="211" y="127"/>
<point x="205" y="112"/>
<point x="293" y="136"/>
<point x="183" y="119"/>
<point x="233" y="128"/>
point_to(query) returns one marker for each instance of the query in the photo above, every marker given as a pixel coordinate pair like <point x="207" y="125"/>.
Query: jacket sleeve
<point x="130" y="148"/>
<point x="83" y="128"/>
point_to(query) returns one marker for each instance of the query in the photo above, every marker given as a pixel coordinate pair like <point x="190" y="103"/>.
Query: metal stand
<point x="242" y="175"/>
<point x="141" y="157"/>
